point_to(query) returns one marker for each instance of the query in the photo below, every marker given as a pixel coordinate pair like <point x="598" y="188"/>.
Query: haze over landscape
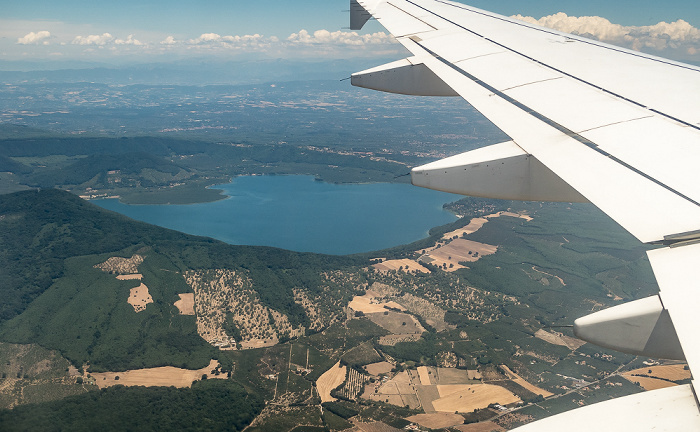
<point x="110" y="323"/>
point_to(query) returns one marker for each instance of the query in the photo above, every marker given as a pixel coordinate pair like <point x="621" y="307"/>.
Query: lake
<point x="301" y="214"/>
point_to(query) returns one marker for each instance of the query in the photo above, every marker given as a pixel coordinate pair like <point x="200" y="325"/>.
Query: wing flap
<point x="677" y="271"/>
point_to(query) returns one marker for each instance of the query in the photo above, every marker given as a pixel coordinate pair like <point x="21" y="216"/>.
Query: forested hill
<point x="52" y="294"/>
<point x="166" y="168"/>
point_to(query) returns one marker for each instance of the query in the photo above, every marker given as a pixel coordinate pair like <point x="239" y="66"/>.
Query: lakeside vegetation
<point x="158" y="170"/>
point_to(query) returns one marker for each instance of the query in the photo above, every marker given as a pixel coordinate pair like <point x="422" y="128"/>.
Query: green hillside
<point x="51" y="241"/>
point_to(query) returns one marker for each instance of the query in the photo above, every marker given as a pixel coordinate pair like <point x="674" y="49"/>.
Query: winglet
<point x="358" y="15"/>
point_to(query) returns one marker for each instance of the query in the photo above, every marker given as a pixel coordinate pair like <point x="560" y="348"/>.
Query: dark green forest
<point x="209" y="405"/>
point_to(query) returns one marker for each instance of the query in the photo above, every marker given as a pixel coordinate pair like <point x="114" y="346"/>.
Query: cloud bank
<point x="677" y="39"/>
<point x="320" y="37"/>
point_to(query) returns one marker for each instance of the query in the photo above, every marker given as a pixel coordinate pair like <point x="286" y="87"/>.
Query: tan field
<point x="330" y="379"/>
<point x="649" y="383"/>
<point x="474" y="225"/>
<point x="437" y="420"/>
<point x="139" y="298"/>
<point x="474" y="374"/>
<point x="458" y="251"/>
<point x="165" y="376"/>
<point x="397" y="323"/>
<point x="372" y="427"/>
<point x="519" y="380"/>
<point x="674" y="372"/>
<point x="258" y="343"/>
<point x="515" y="215"/>
<point x="394" y="339"/>
<point x="398" y="391"/>
<point x="471" y="397"/>
<point x="367" y="304"/>
<point x="446" y="376"/>
<point x="186" y="304"/>
<point x="487" y="426"/>
<point x="138" y="276"/>
<point x="558" y="339"/>
<point x="423" y="375"/>
<point x="379" y="368"/>
<point x="406" y="265"/>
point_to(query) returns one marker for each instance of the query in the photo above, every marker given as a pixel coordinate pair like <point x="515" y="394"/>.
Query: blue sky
<point x="163" y="30"/>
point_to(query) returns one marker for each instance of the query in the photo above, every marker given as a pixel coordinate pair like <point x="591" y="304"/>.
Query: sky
<point x="142" y="31"/>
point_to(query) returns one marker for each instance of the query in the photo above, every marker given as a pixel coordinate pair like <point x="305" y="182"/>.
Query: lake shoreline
<point x="205" y="192"/>
<point x="299" y="213"/>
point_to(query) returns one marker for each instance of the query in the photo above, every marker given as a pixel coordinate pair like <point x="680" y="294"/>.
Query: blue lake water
<point x="301" y="214"/>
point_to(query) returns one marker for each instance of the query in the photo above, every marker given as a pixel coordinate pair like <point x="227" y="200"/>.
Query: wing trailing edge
<point x="409" y="76"/>
<point x="669" y="409"/>
<point x="503" y="171"/>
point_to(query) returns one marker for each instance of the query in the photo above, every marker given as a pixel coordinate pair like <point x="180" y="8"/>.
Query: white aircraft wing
<point x="588" y="121"/>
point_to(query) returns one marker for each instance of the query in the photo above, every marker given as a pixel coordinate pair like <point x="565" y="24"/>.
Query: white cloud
<point x="249" y="41"/>
<point x="102" y="39"/>
<point x="340" y="38"/>
<point x="128" y="41"/>
<point x="32" y="38"/>
<point x="168" y="41"/>
<point x="664" y="38"/>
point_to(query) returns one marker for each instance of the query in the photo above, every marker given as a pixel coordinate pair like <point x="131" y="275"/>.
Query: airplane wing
<point x="588" y="122"/>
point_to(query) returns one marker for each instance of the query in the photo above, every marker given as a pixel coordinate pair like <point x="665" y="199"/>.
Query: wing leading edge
<point x="588" y="122"/>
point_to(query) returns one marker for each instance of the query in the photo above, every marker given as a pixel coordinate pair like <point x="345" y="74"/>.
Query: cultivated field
<point x="437" y="420"/>
<point x="161" y="376"/>
<point x="405" y="265"/>
<point x="138" y="276"/>
<point x="474" y="225"/>
<point x="186" y="304"/>
<point x="519" y="380"/>
<point x="460" y="250"/>
<point x="418" y="389"/>
<point x="446" y="376"/>
<point x="379" y="368"/>
<point x="139" y="298"/>
<point x="369" y="304"/>
<point x="424" y="375"/>
<point x="467" y="398"/>
<point x="649" y="383"/>
<point x="480" y="427"/>
<point x="559" y="339"/>
<point x="674" y="372"/>
<point x="394" y="339"/>
<point x="330" y="379"/>
<point x="657" y="377"/>
<point x="396" y="322"/>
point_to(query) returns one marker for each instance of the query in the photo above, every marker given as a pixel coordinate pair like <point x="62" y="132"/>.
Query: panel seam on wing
<point x="563" y="129"/>
<point x="554" y="68"/>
